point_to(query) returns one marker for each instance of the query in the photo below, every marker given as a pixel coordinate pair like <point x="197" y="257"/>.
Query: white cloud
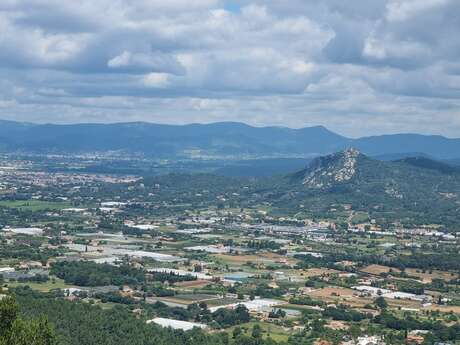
<point x="296" y="62"/>
<point x="400" y="10"/>
<point x="374" y="48"/>
<point x="156" y="80"/>
<point x="7" y="103"/>
<point x="141" y="62"/>
<point x="122" y="60"/>
<point x="301" y="67"/>
<point x="386" y="48"/>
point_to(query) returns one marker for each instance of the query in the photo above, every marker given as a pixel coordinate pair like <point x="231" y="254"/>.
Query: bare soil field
<point x="332" y="292"/>
<point x="427" y="277"/>
<point x="340" y="325"/>
<point x="445" y="308"/>
<point x="349" y="297"/>
<point x="192" y="283"/>
<point x="315" y="272"/>
<point x="377" y="269"/>
<point x="262" y="258"/>
<point x="186" y="299"/>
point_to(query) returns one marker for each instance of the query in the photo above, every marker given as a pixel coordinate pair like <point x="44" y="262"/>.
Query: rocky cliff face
<point x="325" y="171"/>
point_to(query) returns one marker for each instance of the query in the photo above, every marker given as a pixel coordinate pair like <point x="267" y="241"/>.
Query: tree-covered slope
<point x="419" y="191"/>
<point x="405" y="188"/>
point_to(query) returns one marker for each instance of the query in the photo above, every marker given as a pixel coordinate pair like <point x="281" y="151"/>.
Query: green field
<point x="43" y="287"/>
<point x="222" y="301"/>
<point x="269" y="330"/>
<point x="194" y="297"/>
<point x="34" y="205"/>
<point x="360" y="217"/>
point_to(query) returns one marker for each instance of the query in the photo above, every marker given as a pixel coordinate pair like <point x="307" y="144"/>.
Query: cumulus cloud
<point x="357" y="67"/>
<point x="401" y="10"/>
<point x="141" y="62"/>
<point x="158" y="80"/>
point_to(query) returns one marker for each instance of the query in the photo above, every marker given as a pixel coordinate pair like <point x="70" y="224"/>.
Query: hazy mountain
<point x="401" y="155"/>
<point x="453" y="161"/>
<point x="218" y="139"/>
<point x="225" y="139"/>
<point x="426" y="163"/>
<point x="261" y="167"/>
<point x="433" y="145"/>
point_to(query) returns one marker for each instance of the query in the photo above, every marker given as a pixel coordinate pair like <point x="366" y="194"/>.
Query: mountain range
<point x="223" y="139"/>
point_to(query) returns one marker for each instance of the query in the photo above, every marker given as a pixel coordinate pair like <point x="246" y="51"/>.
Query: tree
<point x="242" y="313"/>
<point x="257" y="331"/>
<point x="236" y="332"/>
<point x="381" y="303"/>
<point x="9" y="311"/>
<point x="16" y="331"/>
<point x="355" y="331"/>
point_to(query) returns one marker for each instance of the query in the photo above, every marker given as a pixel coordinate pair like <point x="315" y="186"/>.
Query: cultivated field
<point x="423" y="276"/>
<point x="262" y="258"/>
<point x="34" y="205"/>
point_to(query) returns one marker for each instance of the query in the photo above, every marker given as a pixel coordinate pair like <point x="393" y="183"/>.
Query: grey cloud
<point x="145" y="62"/>
<point x="357" y="67"/>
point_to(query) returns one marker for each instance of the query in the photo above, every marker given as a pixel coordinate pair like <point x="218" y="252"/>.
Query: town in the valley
<point x="199" y="258"/>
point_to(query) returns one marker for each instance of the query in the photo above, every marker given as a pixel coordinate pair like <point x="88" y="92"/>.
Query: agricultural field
<point x="52" y="284"/>
<point x="35" y="205"/>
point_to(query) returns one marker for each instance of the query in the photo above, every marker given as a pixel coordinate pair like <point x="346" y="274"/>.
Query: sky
<point x="357" y="67"/>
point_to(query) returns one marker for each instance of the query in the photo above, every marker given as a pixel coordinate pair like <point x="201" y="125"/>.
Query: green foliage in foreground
<point x="92" y="274"/>
<point x="79" y="323"/>
<point x="16" y="331"/>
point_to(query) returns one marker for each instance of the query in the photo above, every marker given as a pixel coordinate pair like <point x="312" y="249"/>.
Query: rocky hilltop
<point x="328" y="170"/>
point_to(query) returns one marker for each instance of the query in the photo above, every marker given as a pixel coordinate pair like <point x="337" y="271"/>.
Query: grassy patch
<point x="269" y="330"/>
<point x="53" y="283"/>
<point x="34" y="205"/>
<point x="360" y="217"/>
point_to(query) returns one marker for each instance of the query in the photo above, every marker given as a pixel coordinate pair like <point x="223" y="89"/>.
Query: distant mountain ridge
<point x="222" y="139"/>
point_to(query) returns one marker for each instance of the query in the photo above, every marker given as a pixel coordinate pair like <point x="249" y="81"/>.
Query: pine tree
<point x="16" y="331"/>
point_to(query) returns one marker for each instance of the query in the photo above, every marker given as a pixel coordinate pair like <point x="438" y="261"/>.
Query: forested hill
<point x="417" y="190"/>
<point x="224" y="139"/>
<point x="415" y="186"/>
<point x="352" y="169"/>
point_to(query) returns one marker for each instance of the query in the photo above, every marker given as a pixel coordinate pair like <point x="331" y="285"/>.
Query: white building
<point x="24" y="231"/>
<point x="406" y="295"/>
<point x="371" y="290"/>
<point x="197" y="275"/>
<point x="366" y="340"/>
<point x="6" y="269"/>
<point x="257" y="305"/>
<point x="176" y="324"/>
